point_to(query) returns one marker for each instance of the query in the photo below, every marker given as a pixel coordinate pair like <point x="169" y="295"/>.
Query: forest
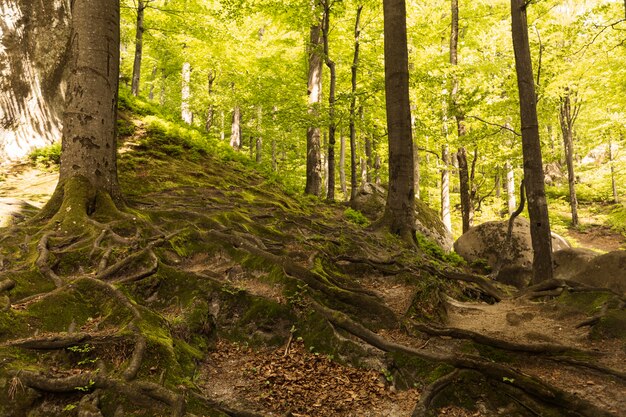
<point x="312" y="208"/>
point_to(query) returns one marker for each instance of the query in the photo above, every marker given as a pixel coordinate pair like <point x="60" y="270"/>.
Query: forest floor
<point x="258" y="262"/>
<point x="303" y="382"/>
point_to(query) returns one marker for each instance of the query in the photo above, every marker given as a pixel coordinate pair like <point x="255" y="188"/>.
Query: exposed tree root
<point x="7" y="285"/>
<point x="589" y="365"/>
<point x="216" y="405"/>
<point x="61" y="341"/>
<point x="139" y="391"/>
<point x="43" y="260"/>
<point x="530" y="385"/>
<point x="456" y="275"/>
<point x="352" y="297"/>
<point x="430" y="392"/>
<point x="540" y="348"/>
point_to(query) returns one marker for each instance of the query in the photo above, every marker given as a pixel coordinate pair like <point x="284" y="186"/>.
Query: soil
<point x="293" y="380"/>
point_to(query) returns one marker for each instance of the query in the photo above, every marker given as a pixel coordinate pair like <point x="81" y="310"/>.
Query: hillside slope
<point x="215" y="293"/>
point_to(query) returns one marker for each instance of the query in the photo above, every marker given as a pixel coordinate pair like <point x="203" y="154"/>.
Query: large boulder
<point x="371" y="199"/>
<point x="570" y="261"/>
<point x="33" y="67"/>
<point x="486" y="243"/>
<point x="605" y="271"/>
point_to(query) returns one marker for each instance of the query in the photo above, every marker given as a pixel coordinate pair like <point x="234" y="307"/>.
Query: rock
<point x="553" y="172"/>
<point x="570" y="261"/>
<point x="371" y="199"/>
<point x="486" y="241"/>
<point x="605" y="271"/>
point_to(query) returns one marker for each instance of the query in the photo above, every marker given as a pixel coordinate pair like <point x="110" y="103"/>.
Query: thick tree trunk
<point x="399" y="215"/>
<point x="445" y="188"/>
<point x="354" y="73"/>
<point x="313" y="152"/>
<point x="567" y="117"/>
<point x="464" y="185"/>
<point x="332" y="125"/>
<point x="141" y="7"/>
<point x="89" y="149"/>
<point x="510" y="188"/>
<point x="186" y="114"/>
<point x="235" y="131"/>
<point x="89" y="132"/>
<point x="531" y="147"/>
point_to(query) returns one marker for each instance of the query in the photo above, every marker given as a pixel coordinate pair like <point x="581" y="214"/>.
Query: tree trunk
<point x="186" y="94"/>
<point x="222" y="125"/>
<point x="613" y="182"/>
<point x="342" y="166"/>
<point x="416" y="176"/>
<point x="531" y="147"/>
<point x="154" y="74"/>
<point x="89" y="148"/>
<point x="235" y="131"/>
<point x="332" y="125"/>
<point x="464" y="186"/>
<point x="354" y="73"/>
<point x="497" y="180"/>
<point x="210" y="111"/>
<point x="141" y="7"/>
<point x="399" y="215"/>
<point x="445" y="188"/>
<point x="313" y="153"/>
<point x="510" y="188"/>
<point x="567" y="117"/>
<point x="259" y="138"/>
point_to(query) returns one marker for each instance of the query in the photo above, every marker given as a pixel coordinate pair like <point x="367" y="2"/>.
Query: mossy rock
<point x="611" y="326"/>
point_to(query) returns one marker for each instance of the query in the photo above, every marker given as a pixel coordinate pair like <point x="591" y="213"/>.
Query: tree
<point x="531" y="146"/>
<point x="141" y="7"/>
<point x="399" y="215"/>
<point x="313" y="156"/>
<point x="353" y="80"/>
<point x="88" y="172"/>
<point x="568" y="113"/>
<point x="332" y="124"/>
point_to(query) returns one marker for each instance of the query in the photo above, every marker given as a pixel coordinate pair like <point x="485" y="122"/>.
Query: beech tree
<point x="88" y="171"/>
<point x="399" y="215"/>
<point x="313" y="142"/>
<point x="531" y="146"/>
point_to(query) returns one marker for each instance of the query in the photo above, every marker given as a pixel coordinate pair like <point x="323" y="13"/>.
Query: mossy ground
<point x="200" y="207"/>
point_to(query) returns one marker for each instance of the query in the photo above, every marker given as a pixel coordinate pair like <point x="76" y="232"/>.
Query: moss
<point x="587" y="302"/>
<point x="409" y="371"/>
<point x="494" y="354"/>
<point x="612" y="326"/>
<point x="28" y="283"/>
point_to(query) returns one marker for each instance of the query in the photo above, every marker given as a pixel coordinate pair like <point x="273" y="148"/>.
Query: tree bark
<point x="313" y="153"/>
<point x="510" y="188"/>
<point x="613" y="182"/>
<point x="210" y="111"/>
<point x="354" y="73"/>
<point x="342" y="166"/>
<point x="445" y="188"/>
<point x="466" y="201"/>
<point x="567" y="117"/>
<point x="89" y="146"/>
<point x="186" y="114"/>
<point x="332" y="125"/>
<point x="399" y="215"/>
<point x="531" y="147"/>
<point x="141" y="7"/>
<point x="235" y="131"/>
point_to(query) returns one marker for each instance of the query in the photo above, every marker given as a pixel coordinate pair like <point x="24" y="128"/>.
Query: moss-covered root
<point x="431" y="391"/>
<point x="531" y="386"/>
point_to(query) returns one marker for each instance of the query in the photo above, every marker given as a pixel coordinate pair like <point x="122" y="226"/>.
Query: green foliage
<point x="47" y="157"/>
<point x="356" y="217"/>
<point x="432" y="249"/>
<point x="617" y="218"/>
